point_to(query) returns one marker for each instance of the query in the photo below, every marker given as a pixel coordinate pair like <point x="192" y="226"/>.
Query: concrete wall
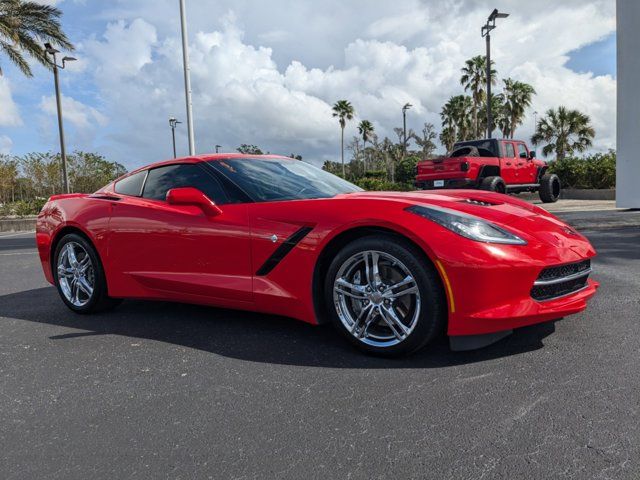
<point x="628" y="107"/>
<point x="25" y="224"/>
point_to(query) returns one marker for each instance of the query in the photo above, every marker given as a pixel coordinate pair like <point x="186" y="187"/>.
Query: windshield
<point x="272" y="179"/>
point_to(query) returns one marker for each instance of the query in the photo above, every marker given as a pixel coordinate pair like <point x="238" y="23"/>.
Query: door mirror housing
<point x="523" y="155"/>
<point x="532" y="154"/>
<point x="193" y="197"/>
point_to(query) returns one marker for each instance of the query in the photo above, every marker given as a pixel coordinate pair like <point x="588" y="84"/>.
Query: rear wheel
<point x="79" y="276"/>
<point x="494" y="184"/>
<point x="384" y="297"/>
<point x="549" y="190"/>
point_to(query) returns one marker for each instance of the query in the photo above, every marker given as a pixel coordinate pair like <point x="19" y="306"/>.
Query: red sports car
<point x="391" y="270"/>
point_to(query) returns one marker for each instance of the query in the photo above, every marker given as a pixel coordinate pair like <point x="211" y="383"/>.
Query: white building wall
<point x="628" y="107"/>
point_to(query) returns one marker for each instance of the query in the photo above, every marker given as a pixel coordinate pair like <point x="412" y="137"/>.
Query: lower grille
<point x="560" y="271"/>
<point x="555" y="282"/>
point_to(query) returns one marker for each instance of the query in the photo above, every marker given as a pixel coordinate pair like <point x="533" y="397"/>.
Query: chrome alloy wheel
<point x="76" y="275"/>
<point x="376" y="298"/>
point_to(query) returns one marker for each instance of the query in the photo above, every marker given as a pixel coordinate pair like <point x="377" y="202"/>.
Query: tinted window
<point x="163" y="179"/>
<point x="522" y="151"/>
<point x="509" y="151"/>
<point x="131" y="185"/>
<point x="270" y="179"/>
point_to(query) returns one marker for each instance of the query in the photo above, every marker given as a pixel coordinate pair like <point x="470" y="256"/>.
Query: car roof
<point x="206" y="158"/>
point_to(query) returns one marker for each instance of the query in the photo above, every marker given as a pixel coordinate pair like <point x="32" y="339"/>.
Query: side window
<point x="163" y="179"/>
<point x="509" y="152"/>
<point x="522" y="151"/>
<point x="131" y="185"/>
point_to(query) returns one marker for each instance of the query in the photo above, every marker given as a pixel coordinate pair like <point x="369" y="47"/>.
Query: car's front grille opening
<point x="561" y="271"/>
<point x="556" y="282"/>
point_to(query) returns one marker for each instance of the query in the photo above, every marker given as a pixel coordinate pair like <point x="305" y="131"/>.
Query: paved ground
<point x="172" y="391"/>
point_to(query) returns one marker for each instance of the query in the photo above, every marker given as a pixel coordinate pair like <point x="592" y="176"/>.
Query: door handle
<point x="508" y="163"/>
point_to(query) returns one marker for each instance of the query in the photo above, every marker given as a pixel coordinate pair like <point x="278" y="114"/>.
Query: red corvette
<point x="391" y="270"/>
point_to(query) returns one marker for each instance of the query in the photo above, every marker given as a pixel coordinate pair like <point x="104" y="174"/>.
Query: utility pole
<point x="485" y="31"/>
<point x="217" y="147"/>
<point x="63" y="154"/>
<point x="187" y="78"/>
<point x="406" y="107"/>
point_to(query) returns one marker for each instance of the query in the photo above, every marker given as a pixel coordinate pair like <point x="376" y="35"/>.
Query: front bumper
<point x="493" y="287"/>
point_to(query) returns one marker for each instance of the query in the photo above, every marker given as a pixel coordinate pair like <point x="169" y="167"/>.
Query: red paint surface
<point x="155" y="250"/>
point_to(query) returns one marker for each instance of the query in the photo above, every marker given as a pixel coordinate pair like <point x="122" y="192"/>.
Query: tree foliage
<point x="36" y="176"/>
<point x="24" y="27"/>
<point x="564" y="131"/>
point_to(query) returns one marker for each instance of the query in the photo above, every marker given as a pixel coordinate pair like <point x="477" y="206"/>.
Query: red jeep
<point x="504" y="166"/>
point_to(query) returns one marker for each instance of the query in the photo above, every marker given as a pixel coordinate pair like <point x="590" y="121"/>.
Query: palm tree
<point x="499" y="117"/>
<point x="564" y="131"/>
<point x="448" y="137"/>
<point x="24" y="27"/>
<point x="344" y="111"/>
<point x="517" y="98"/>
<point x="365" y="128"/>
<point x="474" y="78"/>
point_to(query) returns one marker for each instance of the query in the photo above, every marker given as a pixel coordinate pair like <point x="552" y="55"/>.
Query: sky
<point x="267" y="73"/>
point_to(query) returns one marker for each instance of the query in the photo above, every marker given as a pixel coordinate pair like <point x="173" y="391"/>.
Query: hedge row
<point x="592" y="171"/>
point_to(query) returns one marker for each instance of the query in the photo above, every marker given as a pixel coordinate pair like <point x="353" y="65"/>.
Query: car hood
<point x="518" y="216"/>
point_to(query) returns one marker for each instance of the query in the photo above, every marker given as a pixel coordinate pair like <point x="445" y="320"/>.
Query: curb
<point x="21" y="224"/>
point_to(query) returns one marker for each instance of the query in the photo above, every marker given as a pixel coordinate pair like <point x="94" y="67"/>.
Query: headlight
<point x="467" y="225"/>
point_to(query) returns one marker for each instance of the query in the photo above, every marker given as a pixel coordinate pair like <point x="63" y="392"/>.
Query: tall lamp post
<point x="406" y="107"/>
<point x="187" y="78"/>
<point x="49" y="50"/>
<point x="217" y="147"/>
<point x="485" y="31"/>
<point x="173" y="122"/>
<point x="535" y="121"/>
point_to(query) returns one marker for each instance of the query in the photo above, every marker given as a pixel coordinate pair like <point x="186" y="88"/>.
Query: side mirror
<point x="532" y="154"/>
<point x="523" y="155"/>
<point x="193" y="197"/>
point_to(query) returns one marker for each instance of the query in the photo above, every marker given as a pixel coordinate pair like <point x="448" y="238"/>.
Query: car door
<point x="508" y="163"/>
<point x="176" y="251"/>
<point x="526" y="169"/>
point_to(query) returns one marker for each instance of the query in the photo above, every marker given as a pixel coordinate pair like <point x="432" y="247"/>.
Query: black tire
<point x="550" y="187"/>
<point x="494" y="184"/>
<point x="429" y="320"/>
<point x="99" y="300"/>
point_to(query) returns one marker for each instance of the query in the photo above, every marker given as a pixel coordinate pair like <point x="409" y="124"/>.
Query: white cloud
<point x="5" y="145"/>
<point x="388" y="56"/>
<point x="9" y="114"/>
<point x="76" y="113"/>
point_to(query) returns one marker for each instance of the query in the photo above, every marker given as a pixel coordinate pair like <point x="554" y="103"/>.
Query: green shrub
<point x="406" y="169"/>
<point x="592" y="171"/>
<point x="22" y="208"/>
<point x="376" y="184"/>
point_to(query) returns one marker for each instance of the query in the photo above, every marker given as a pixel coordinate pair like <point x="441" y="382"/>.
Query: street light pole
<point x="63" y="154"/>
<point x="485" y="31"/>
<point x="187" y="78"/>
<point x="173" y="122"/>
<point x="406" y="107"/>
<point x="217" y="147"/>
<point x="535" y="121"/>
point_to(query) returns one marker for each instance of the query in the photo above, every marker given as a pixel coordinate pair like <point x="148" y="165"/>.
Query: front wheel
<point x="549" y="189"/>
<point x="384" y="297"/>
<point x="79" y="276"/>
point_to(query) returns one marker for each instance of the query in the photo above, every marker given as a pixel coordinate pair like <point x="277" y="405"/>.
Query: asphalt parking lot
<point x="158" y="390"/>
